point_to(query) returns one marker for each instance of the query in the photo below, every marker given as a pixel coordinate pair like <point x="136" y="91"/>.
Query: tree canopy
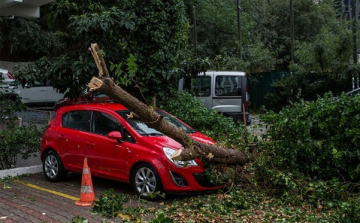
<point x="157" y="38"/>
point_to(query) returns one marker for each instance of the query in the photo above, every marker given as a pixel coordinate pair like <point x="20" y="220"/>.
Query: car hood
<point x="162" y="141"/>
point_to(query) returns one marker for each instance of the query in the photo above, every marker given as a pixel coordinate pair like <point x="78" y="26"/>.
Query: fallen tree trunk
<point x="192" y="148"/>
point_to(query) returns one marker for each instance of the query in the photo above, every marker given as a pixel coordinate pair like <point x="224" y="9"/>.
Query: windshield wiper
<point x="153" y="134"/>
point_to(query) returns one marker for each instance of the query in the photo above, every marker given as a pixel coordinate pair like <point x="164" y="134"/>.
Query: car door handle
<point x="61" y="136"/>
<point x="42" y="90"/>
<point x="90" y="144"/>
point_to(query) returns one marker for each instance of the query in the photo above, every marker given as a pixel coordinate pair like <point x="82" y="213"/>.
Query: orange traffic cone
<point x="87" y="195"/>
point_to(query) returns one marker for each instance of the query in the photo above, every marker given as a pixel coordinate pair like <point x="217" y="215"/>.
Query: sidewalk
<point x="34" y="199"/>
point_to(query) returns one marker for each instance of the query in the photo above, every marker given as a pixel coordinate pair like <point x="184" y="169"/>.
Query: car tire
<point x="53" y="168"/>
<point x="146" y="181"/>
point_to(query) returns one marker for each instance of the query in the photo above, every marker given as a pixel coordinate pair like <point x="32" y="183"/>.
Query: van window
<point x="227" y="86"/>
<point x="200" y="86"/>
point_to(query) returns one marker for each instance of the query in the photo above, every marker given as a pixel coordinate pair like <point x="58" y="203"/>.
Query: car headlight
<point x="168" y="152"/>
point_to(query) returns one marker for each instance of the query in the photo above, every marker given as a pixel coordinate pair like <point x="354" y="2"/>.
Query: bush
<point x="18" y="140"/>
<point x="307" y="85"/>
<point x="319" y="139"/>
<point x="192" y="111"/>
<point x="15" y="140"/>
<point x="9" y="104"/>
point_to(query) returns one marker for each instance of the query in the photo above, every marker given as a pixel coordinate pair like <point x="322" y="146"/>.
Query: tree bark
<point x="192" y="148"/>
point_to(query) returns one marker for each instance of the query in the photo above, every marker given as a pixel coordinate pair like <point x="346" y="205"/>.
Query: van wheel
<point x="52" y="167"/>
<point x="146" y="181"/>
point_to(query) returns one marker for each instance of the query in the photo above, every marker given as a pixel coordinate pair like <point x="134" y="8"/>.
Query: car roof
<point x="110" y="106"/>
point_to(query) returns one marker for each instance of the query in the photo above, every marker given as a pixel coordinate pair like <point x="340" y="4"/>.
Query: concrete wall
<point x="10" y="65"/>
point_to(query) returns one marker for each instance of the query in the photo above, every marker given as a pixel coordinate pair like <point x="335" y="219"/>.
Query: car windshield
<point x="143" y="129"/>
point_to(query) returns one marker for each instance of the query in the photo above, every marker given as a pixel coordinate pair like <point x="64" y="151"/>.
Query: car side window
<point x="127" y="137"/>
<point x="79" y="120"/>
<point x="227" y="86"/>
<point x="200" y="86"/>
<point x="103" y="123"/>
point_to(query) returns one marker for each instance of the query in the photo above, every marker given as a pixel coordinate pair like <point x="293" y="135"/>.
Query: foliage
<point x="216" y="26"/>
<point x="137" y="213"/>
<point x="223" y="130"/>
<point x="329" y="52"/>
<point x="109" y="203"/>
<point x="15" y="140"/>
<point x="122" y="30"/>
<point x="9" y="104"/>
<point x="265" y="30"/>
<point x="125" y="78"/>
<point x="302" y="170"/>
<point x="18" y="140"/>
<point x="26" y="38"/>
<point x="161" y="219"/>
<point x="78" y="219"/>
<point x="208" y="121"/>
<point x="319" y="139"/>
<point x="307" y="86"/>
<point x="159" y="36"/>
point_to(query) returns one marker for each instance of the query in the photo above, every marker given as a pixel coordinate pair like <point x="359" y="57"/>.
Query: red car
<point x="120" y="149"/>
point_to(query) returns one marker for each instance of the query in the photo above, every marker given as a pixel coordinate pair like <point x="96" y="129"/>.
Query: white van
<point x="224" y="91"/>
<point x="37" y="95"/>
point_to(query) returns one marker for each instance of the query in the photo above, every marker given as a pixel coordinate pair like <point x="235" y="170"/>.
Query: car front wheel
<point x="146" y="181"/>
<point x="52" y="167"/>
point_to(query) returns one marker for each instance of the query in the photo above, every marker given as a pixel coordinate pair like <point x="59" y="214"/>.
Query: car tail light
<point x="9" y="75"/>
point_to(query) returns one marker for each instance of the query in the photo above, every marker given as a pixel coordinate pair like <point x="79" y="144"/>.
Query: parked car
<point x="36" y="95"/>
<point x="224" y="91"/>
<point x="121" y="149"/>
<point x="89" y="98"/>
<point x="6" y="77"/>
<point x="6" y="81"/>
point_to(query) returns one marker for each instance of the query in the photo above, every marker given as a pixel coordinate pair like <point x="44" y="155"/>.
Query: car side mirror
<point x="115" y="135"/>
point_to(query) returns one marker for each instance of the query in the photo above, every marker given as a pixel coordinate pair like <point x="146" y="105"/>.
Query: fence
<point x="35" y="116"/>
<point x="260" y="85"/>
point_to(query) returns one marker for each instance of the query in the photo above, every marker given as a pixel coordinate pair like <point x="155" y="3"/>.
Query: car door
<point x="73" y="137"/>
<point x="107" y="157"/>
<point x="228" y="93"/>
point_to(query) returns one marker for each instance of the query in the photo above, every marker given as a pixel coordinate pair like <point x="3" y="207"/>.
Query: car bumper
<point x="186" y="180"/>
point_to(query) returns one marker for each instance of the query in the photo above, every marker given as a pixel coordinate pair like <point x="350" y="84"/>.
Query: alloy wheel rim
<point x="145" y="181"/>
<point x="51" y="166"/>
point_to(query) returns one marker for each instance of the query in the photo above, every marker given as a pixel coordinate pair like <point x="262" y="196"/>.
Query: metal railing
<point x="36" y="116"/>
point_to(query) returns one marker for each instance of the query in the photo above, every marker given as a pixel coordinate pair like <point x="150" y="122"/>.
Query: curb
<point x="20" y="171"/>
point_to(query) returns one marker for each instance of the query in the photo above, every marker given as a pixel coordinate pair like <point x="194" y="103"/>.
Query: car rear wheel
<point x="146" y="181"/>
<point x="52" y="167"/>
